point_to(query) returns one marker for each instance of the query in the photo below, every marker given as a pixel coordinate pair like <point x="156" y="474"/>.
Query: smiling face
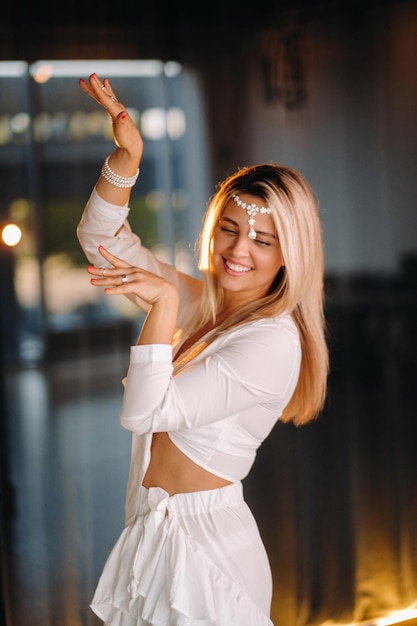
<point x="245" y="267"/>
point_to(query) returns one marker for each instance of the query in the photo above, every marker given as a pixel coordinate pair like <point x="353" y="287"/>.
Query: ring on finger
<point x="103" y="271"/>
<point x="123" y="278"/>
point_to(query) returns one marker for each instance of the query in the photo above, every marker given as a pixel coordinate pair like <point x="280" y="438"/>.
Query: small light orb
<point x="11" y="235"/>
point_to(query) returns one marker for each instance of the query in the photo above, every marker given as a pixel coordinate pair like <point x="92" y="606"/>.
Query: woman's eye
<point x="263" y="243"/>
<point x="228" y="230"/>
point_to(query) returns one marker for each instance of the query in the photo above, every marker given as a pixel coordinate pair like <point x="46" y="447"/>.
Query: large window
<point x="53" y="139"/>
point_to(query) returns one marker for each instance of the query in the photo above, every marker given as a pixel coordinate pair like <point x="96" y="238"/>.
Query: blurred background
<point x="327" y="87"/>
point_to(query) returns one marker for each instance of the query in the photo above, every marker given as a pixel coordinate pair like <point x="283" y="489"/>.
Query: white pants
<point x="193" y="559"/>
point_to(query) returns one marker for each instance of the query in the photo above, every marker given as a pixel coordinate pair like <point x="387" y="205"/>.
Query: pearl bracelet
<point x="116" y="180"/>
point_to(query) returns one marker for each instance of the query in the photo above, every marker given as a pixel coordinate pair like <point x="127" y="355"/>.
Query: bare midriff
<point x="173" y="471"/>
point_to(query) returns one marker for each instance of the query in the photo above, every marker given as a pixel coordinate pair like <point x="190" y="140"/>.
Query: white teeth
<point x="237" y="268"/>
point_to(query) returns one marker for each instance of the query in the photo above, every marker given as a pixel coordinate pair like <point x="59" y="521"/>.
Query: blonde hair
<point x="298" y="287"/>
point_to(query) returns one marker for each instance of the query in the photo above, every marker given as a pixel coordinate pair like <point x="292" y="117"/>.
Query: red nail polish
<point x="93" y="280"/>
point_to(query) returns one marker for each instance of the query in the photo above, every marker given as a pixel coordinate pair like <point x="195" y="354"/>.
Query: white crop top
<point x="222" y="405"/>
<point x="224" y="402"/>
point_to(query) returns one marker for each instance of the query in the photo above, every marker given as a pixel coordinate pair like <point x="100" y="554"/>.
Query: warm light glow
<point x="42" y="72"/>
<point x="11" y="235"/>
<point x="397" y="617"/>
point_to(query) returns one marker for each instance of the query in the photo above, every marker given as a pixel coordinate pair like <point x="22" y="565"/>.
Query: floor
<point x="336" y="501"/>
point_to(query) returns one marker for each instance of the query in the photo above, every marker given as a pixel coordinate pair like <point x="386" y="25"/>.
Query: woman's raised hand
<point x="125" y="132"/>
<point x="125" y="160"/>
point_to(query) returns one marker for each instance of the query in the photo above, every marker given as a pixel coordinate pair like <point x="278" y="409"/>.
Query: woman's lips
<point x="236" y="268"/>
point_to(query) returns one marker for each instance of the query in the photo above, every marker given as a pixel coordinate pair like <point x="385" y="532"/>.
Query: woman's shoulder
<point x="259" y="349"/>
<point x="266" y="333"/>
<point x="279" y="324"/>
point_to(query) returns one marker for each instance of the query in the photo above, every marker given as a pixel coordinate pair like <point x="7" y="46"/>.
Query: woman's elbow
<point x="137" y="424"/>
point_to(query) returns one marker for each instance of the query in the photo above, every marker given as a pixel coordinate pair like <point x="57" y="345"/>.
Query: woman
<point x="218" y="361"/>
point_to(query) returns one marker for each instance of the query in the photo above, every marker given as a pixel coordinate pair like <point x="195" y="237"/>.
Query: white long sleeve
<point x="106" y="224"/>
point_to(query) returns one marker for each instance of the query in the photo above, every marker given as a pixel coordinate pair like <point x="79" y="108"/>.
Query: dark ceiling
<point x="166" y="12"/>
<point x="93" y="28"/>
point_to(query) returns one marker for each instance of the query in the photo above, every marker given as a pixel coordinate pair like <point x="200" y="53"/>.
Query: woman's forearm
<point x="161" y="321"/>
<point x="123" y="164"/>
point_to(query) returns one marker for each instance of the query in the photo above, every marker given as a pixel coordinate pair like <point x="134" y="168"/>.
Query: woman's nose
<point x="241" y="245"/>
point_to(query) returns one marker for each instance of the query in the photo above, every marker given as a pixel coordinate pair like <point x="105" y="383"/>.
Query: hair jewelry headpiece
<point x="252" y="210"/>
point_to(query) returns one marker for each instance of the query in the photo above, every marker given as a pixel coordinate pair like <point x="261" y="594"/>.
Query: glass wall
<point x="53" y="140"/>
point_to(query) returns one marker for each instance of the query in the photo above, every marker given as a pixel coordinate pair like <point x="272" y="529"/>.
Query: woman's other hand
<point x="161" y="295"/>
